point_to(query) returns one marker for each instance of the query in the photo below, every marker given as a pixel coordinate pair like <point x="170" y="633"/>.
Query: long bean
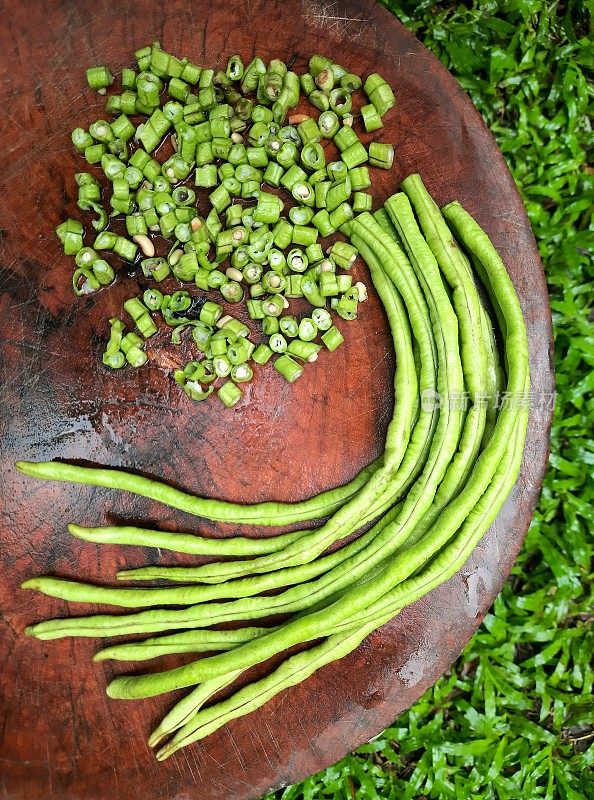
<point x="360" y="598"/>
<point x="505" y="300"/>
<point x="297" y="668"/>
<point x="495" y="377"/>
<point x="485" y="257"/>
<point x="439" y="485"/>
<point x="197" y="727"/>
<point x="179" y="500"/>
<point x="246" y="700"/>
<point x="184" y="711"/>
<point x="358" y="509"/>
<point x="354" y="568"/>
<point x="452" y="258"/>
<point x="74" y="591"/>
<point x="242" y="587"/>
<point x="477" y="356"/>
<point x="268" y="513"/>
<point x="292" y="671"/>
<point x="412" y="463"/>
<point x="311" y="627"/>
<point x="184" y="542"/>
<point x="132" y="597"/>
<point x="351" y="570"/>
<point x="454" y="266"/>
<point x="453" y="556"/>
<point x="194" y="641"/>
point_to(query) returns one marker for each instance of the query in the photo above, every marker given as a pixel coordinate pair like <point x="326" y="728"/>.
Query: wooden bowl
<point x="61" y="736"/>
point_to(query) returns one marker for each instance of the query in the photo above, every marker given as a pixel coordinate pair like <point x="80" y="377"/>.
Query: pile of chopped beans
<point x="273" y="199"/>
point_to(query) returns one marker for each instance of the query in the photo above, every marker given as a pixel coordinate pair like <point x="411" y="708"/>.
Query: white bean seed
<point x="234" y="274"/>
<point x="145" y="244"/>
<point x="362" y="291"/>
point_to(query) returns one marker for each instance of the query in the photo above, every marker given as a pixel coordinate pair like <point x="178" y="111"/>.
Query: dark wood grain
<point x="60" y="736"/>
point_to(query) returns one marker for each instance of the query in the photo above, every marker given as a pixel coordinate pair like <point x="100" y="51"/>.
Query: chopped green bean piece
<point x="332" y="338"/>
<point x="288" y="368"/>
<point x="229" y="394"/>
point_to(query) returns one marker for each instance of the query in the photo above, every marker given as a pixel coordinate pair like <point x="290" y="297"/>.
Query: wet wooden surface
<point x="60" y="737"/>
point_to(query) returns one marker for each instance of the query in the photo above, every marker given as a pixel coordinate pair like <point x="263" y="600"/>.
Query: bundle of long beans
<point x="451" y="457"/>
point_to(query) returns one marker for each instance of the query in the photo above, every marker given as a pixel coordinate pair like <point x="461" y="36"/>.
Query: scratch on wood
<point x="272" y="737"/>
<point x="237" y="750"/>
<point x="256" y="734"/>
<point x="178" y="765"/>
<point x="49" y="767"/>
<point x="307" y="737"/>
<point x="190" y="766"/>
<point x="321" y="14"/>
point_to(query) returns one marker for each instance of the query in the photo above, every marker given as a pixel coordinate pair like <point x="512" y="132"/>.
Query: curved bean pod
<point x="432" y="531"/>
<point x="478" y="359"/>
<point x="269" y="513"/>
<point x="184" y="542"/>
<point x="453" y="556"/>
<point x="184" y="711"/>
<point x="194" y="641"/>
<point x="132" y="597"/>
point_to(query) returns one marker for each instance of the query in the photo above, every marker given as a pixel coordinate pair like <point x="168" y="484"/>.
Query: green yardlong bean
<point x="358" y="599"/>
<point x="297" y="668"/>
<point x="195" y="641"/>
<point x="184" y="711"/>
<point x="196" y="727"/>
<point x="268" y="513"/>
<point x="132" y="597"/>
<point x="477" y="356"/>
<point x="292" y="671"/>
<point x="341" y="524"/>
<point x="184" y="542"/>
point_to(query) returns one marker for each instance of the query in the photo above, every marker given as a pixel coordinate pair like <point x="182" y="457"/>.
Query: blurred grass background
<point x="514" y="717"/>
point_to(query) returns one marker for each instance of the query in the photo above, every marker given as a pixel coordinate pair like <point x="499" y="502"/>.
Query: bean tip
<point x="155" y="737"/>
<point x="113" y="689"/>
<point x="101" y="655"/>
<point x="74" y="529"/>
<point x="23" y="466"/>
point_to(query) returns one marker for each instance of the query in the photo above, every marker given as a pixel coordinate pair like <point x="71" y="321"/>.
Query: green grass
<point x="514" y="716"/>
